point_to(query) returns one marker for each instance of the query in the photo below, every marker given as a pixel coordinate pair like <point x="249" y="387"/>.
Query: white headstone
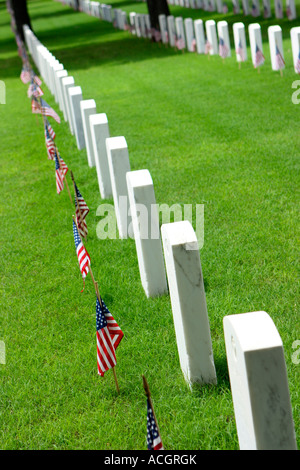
<point x="188" y="302"/>
<point x="267" y="9"/>
<point x="145" y="225"/>
<point x="163" y="28"/>
<point x="100" y="132"/>
<point x="180" y="30"/>
<point x="190" y="35"/>
<point x="236" y="7"/>
<point x="132" y="21"/>
<point x="119" y="165"/>
<point x="246" y="8"/>
<point x="211" y="34"/>
<point x="276" y="48"/>
<point x="171" y="30"/>
<point x="255" y="8"/>
<point x="295" y="40"/>
<point x="75" y="95"/>
<point x="87" y="108"/>
<point x="291" y="12"/>
<point x="56" y="67"/>
<point x="278" y="9"/>
<point x="240" y="44"/>
<point x="200" y="36"/>
<point x="259" y="382"/>
<point x="59" y="75"/>
<point x="255" y="40"/>
<point x="220" y="6"/>
<point x="67" y="83"/>
<point x="223" y="34"/>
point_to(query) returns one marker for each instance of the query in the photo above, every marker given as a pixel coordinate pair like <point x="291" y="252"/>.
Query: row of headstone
<point x="249" y="7"/>
<point x="210" y="38"/>
<point x="171" y="262"/>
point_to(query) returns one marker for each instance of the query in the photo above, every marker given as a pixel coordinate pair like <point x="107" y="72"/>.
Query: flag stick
<point x="281" y="73"/>
<point x="100" y="301"/>
<point x="77" y="202"/>
<point x="239" y="64"/>
<point x="148" y="395"/>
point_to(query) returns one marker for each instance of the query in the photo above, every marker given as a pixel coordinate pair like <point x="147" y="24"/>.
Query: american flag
<point x="109" y="335"/>
<point x="225" y="8"/>
<point x="240" y="51"/>
<point x="43" y="108"/>
<point x="60" y="171"/>
<point x="279" y="10"/>
<point x="259" y="57"/>
<point x="254" y="10"/>
<point x="207" y="46"/>
<point x="156" y="35"/>
<point x="34" y="90"/>
<point x="84" y="259"/>
<point x="266" y="11"/>
<point x="223" y="49"/>
<point x="279" y="59"/>
<point x="180" y="43"/>
<point x="82" y="211"/>
<point x="153" y="437"/>
<point x="297" y="66"/>
<point x="25" y="75"/>
<point x="194" y="45"/>
<point x="37" y="80"/>
<point x="49" y="139"/>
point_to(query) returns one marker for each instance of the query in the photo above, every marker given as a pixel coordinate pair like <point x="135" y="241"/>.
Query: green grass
<point x="209" y="134"/>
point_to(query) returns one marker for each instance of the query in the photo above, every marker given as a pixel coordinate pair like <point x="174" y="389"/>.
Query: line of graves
<point x="203" y="38"/>
<point x="248" y="8"/>
<point x="170" y="263"/>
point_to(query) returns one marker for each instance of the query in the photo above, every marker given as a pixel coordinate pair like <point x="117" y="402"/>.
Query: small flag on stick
<point x="223" y="49"/>
<point x="84" y="259"/>
<point x="60" y="171"/>
<point x="82" y="210"/>
<point x="279" y="60"/>
<point x="259" y="57"/>
<point x="109" y="335"/>
<point x="154" y="441"/>
<point x="49" y="139"/>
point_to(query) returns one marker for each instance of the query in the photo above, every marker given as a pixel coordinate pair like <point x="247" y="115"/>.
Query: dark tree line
<point x="19" y="7"/>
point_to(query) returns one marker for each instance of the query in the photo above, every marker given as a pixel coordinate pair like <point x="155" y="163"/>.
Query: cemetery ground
<point x="209" y="134"/>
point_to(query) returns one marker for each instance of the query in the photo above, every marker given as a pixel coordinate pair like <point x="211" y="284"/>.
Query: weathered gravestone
<point x="100" y="132"/>
<point x="259" y="382"/>
<point x="186" y="286"/>
<point x="145" y="227"/>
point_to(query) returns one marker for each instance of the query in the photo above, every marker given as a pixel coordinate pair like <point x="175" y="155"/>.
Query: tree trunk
<point x="156" y="8"/>
<point x="21" y="15"/>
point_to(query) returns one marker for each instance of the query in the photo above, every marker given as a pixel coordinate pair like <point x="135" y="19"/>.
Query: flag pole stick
<point x="77" y="202"/>
<point x="100" y="301"/>
<point x="148" y="395"/>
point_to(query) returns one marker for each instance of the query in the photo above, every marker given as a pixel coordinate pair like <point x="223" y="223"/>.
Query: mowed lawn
<point x="209" y="134"/>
